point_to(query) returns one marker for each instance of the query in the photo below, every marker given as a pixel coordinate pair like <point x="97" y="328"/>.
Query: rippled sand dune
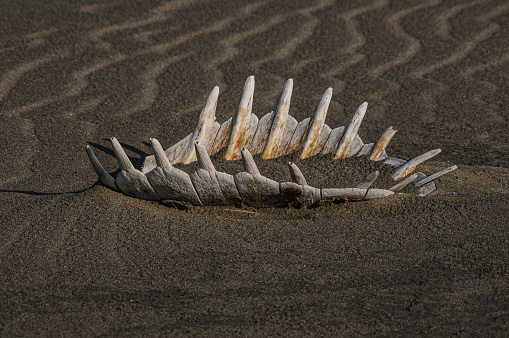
<point x="77" y="258"/>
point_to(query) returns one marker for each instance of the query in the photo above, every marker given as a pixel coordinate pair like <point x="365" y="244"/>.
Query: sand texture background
<point x="79" y="259"/>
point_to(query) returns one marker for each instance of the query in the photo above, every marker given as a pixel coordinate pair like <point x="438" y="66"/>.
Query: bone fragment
<point x="296" y="174"/>
<point x="314" y="134"/>
<point x="228" y="188"/>
<point x="410" y="166"/>
<point x="207" y="186"/>
<point x="104" y="177"/>
<point x="277" y="140"/>
<point x="332" y="142"/>
<point x="204" y="161"/>
<point x="320" y="142"/>
<point x="345" y="145"/>
<point x="241" y="121"/>
<point x="279" y="147"/>
<point x="377" y="193"/>
<point x="435" y="175"/>
<point x="311" y="195"/>
<point x="382" y="144"/>
<point x="330" y="194"/>
<point x="261" y="136"/>
<point x="427" y="188"/>
<point x="222" y="137"/>
<point x="366" y="149"/>
<point x="368" y="180"/>
<point x="160" y="156"/>
<point x="206" y="128"/>
<point x="173" y="153"/>
<point x="169" y="182"/>
<point x="258" y="191"/>
<point x="249" y="163"/>
<point x="123" y="161"/>
<point x="131" y="181"/>
<point x="298" y="136"/>
<point x="403" y="183"/>
<point x="395" y="162"/>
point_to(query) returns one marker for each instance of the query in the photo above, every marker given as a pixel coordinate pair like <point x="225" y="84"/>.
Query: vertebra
<point x="274" y="135"/>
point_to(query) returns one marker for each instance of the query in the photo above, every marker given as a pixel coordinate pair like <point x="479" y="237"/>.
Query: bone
<point x="377" y="193"/>
<point x="427" y="188"/>
<point x="131" y="181"/>
<point x="345" y="145"/>
<point x="296" y="174"/>
<point x="241" y="120"/>
<point x="207" y="186"/>
<point x="161" y="158"/>
<point x="331" y="194"/>
<point x="382" y="144"/>
<point x="222" y="137"/>
<point x="258" y="191"/>
<point x="228" y="188"/>
<point x="403" y="183"/>
<point x="368" y="180"/>
<point x="204" y="161"/>
<point x="261" y="136"/>
<point x="320" y="142"/>
<point x="395" y="162"/>
<point x="169" y="182"/>
<point x="122" y="159"/>
<point x="366" y="149"/>
<point x="410" y="166"/>
<point x="314" y="133"/>
<point x="332" y="142"/>
<point x="435" y="175"/>
<point x="173" y="153"/>
<point x="205" y="130"/>
<point x="249" y="163"/>
<point x="104" y="177"/>
<point x="277" y="140"/>
<point x="298" y="136"/>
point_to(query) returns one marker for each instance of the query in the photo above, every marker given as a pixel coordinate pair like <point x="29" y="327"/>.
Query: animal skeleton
<point x="275" y="134"/>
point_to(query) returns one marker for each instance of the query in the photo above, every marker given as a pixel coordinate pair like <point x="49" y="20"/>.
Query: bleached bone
<point x="347" y="147"/>
<point x="275" y="134"/>
<point x="130" y="181"/>
<point x="435" y="175"/>
<point x="382" y="144"/>
<point x="410" y="166"/>
<point x="104" y="177"/>
<point x="403" y="183"/>
<point x="278" y="138"/>
<point x="368" y="180"/>
<point x="169" y="182"/>
<point x="316" y="136"/>
<point x="243" y="122"/>
<point x="206" y="130"/>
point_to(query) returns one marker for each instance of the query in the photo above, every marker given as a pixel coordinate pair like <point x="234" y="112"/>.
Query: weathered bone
<point x="131" y="181"/>
<point x="278" y="138"/>
<point x="206" y="130"/>
<point x="242" y="121"/>
<point x="403" y="183"/>
<point x="275" y="134"/>
<point x="315" y="138"/>
<point x="368" y="180"/>
<point x="347" y="147"/>
<point x="410" y="166"/>
<point x="104" y="177"/>
<point x="435" y="175"/>
<point x="169" y="182"/>
<point x="382" y="144"/>
<point x="296" y="174"/>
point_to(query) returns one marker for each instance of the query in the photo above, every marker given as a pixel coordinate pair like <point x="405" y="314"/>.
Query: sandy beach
<point x="78" y="259"/>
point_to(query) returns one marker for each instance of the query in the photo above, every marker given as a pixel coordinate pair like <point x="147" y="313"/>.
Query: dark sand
<point x="79" y="259"/>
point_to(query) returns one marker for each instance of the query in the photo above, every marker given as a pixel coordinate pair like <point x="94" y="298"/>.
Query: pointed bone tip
<point x="87" y="147"/>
